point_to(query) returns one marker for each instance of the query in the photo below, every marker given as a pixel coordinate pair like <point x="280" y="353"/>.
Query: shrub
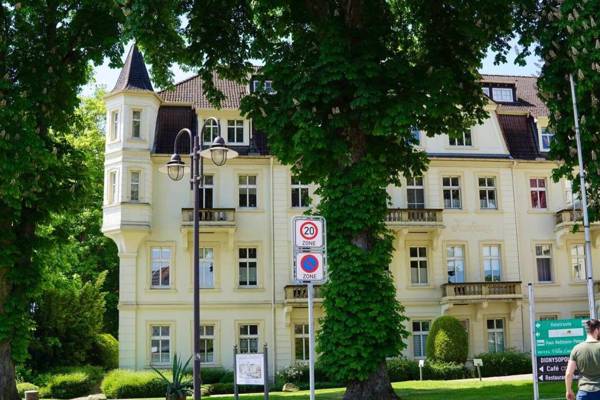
<point x="124" y="384"/>
<point x="214" y="375"/>
<point x="227" y="377"/>
<point x="105" y="351"/>
<point x="505" y="363"/>
<point x="24" y="386"/>
<point x="68" y="386"/>
<point x="401" y="369"/>
<point x="298" y="375"/>
<point x="447" y="341"/>
<point x="227" y="388"/>
<point x="439" y="370"/>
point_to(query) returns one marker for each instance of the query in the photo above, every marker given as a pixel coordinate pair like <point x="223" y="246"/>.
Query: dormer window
<point x="114" y="125"/>
<point x="136" y="121"/>
<point x="211" y="131"/>
<point x="235" y="131"/>
<point x="503" y="95"/>
<point x="267" y="86"/>
<point x="546" y="138"/>
<point x="464" y="140"/>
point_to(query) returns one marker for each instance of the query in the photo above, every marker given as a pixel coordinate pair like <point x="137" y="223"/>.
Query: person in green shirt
<point x="585" y="357"/>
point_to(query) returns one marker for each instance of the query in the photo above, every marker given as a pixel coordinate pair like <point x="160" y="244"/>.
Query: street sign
<point x="552" y="369"/>
<point x="309" y="232"/>
<point x="558" y="337"/>
<point x="309" y="267"/>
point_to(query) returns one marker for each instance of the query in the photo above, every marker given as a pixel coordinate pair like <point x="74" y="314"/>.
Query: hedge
<point x="68" y="386"/>
<point x="298" y="375"/>
<point x="106" y="351"/>
<point x="24" y="387"/>
<point x="505" y="363"/>
<point x="401" y="369"/>
<point x="447" y="341"/>
<point x="125" y="384"/>
<point x="216" y="375"/>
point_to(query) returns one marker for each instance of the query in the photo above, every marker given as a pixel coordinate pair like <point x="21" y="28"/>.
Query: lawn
<point x="438" y="390"/>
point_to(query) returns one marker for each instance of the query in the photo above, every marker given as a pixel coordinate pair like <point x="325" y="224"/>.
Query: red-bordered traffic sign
<point x="309" y="232"/>
<point x="309" y="267"/>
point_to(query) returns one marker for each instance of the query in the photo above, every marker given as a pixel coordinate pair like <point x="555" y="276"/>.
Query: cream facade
<point x="468" y="236"/>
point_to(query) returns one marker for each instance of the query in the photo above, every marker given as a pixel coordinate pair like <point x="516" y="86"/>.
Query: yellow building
<point x="483" y="221"/>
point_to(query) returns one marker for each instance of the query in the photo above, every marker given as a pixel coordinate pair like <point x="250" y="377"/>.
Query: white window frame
<point x="421" y="262"/>
<point x="489" y="259"/>
<point x="267" y="85"/>
<point x="135" y="186"/>
<point x="113" y="186"/>
<point x="245" y="189"/>
<point x="236" y="125"/>
<point x="212" y="126"/>
<point x="303" y="337"/>
<point x="208" y="186"/>
<point x="494" y="333"/>
<point x="546" y="133"/>
<point x="114" y="125"/>
<point x="207" y="261"/>
<point x="136" y="122"/>
<point x="415" y="184"/>
<point x="452" y="188"/>
<point x="159" y="264"/>
<point x="421" y="336"/>
<point x="247" y="337"/>
<point x="538" y="190"/>
<point x="540" y="254"/>
<point x="244" y="263"/>
<point x="453" y="260"/>
<point x="485" y="190"/>
<point x="503" y="95"/>
<point x="577" y="257"/>
<point x="205" y="338"/>
<point x="299" y="191"/>
<point x="160" y="338"/>
<point x="465" y="141"/>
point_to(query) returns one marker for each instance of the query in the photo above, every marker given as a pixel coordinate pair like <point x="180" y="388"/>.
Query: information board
<point x="250" y="369"/>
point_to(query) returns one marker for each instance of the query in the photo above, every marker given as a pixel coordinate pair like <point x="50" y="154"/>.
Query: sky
<point x="105" y="76"/>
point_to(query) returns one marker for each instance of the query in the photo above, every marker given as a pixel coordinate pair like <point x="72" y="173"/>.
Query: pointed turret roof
<point x="134" y="75"/>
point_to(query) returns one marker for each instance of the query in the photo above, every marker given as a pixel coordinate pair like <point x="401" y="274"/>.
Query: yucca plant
<point x="180" y="385"/>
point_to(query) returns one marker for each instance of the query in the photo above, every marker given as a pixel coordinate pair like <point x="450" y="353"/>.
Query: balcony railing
<point x="414" y="216"/>
<point x="300" y="292"/>
<point x="568" y="216"/>
<point x="482" y="290"/>
<point x="211" y="216"/>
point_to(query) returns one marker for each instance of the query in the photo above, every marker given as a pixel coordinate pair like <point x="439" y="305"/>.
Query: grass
<point x="436" y="390"/>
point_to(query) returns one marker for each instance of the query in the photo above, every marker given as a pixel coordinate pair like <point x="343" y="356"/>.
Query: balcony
<point x="415" y="217"/>
<point x="210" y="216"/>
<point x="475" y="292"/>
<point x="568" y="217"/>
<point x="299" y="294"/>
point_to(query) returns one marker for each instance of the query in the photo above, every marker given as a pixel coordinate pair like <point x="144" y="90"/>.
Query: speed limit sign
<point x="308" y="232"/>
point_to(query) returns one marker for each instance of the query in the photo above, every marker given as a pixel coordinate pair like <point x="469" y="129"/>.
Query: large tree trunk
<point x="376" y="387"/>
<point x="8" y="386"/>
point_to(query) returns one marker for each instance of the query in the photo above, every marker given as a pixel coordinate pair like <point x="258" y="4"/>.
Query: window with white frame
<point x="112" y="187"/>
<point x="455" y="258"/>
<point x="207" y="273"/>
<point x="266" y="86"/>
<point x="136" y="123"/>
<point x="160" y="344"/>
<point x="464" y="140"/>
<point x="486" y="91"/>
<point x="492" y="263"/>
<point x="114" y="125"/>
<point x="537" y="189"/>
<point x="207" y="344"/>
<point x="206" y="198"/>
<point x="161" y="267"/>
<point x="546" y="138"/>
<point x="235" y="131"/>
<point x="247" y="191"/>
<point x="578" y="262"/>
<point x="572" y="198"/>
<point x="248" y="338"/>
<point x="300" y="197"/>
<point x="503" y="95"/>
<point x="418" y="265"/>
<point x="495" y="332"/>
<point x="211" y="131"/>
<point x="543" y="261"/>
<point x="420" y="330"/>
<point x="301" y="338"/>
<point x="451" y="191"/>
<point x="487" y="193"/>
<point x="415" y="192"/>
<point x="134" y="185"/>
<point x="247" y="266"/>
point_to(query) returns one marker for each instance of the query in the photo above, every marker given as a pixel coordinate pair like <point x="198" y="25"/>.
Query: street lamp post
<point x="219" y="154"/>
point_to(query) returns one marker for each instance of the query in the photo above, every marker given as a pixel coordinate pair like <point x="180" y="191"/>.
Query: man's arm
<point x="571" y="367"/>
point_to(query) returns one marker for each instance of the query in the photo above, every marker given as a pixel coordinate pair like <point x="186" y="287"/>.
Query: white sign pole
<point x="311" y="341"/>
<point x="536" y="389"/>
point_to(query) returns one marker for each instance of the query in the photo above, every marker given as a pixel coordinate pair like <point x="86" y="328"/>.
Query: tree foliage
<point x="447" y="341"/>
<point x="351" y="79"/>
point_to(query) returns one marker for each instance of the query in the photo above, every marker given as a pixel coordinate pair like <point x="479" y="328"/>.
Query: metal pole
<point x="236" y="395"/>
<point x="584" y="207"/>
<point x="311" y="341"/>
<point x="536" y="389"/>
<point x="196" y="184"/>
<point x="266" y="362"/>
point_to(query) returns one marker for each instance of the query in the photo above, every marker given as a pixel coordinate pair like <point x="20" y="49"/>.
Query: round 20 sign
<point x="308" y="232"/>
<point x="309" y="267"/>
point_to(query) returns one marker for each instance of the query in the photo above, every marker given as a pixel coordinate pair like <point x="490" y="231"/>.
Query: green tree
<point x="567" y="38"/>
<point x="447" y="341"/>
<point x="45" y="52"/>
<point x="351" y="78"/>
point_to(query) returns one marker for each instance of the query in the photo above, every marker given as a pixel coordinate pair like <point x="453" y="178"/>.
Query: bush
<point x="24" y="386"/>
<point x="447" y="341"/>
<point x="401" y="369"/>
<point x="105" y="351"/>
<point x="215" y="375"/>
<point x="68" y="386"/>
<point x="227" y="388"/>
<point x="227" y="377"/>
<point x="298" y="375"/>
<point x="438" y="370"/>
<point x="124" y="384"/>
<point x="505" y="363"/>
